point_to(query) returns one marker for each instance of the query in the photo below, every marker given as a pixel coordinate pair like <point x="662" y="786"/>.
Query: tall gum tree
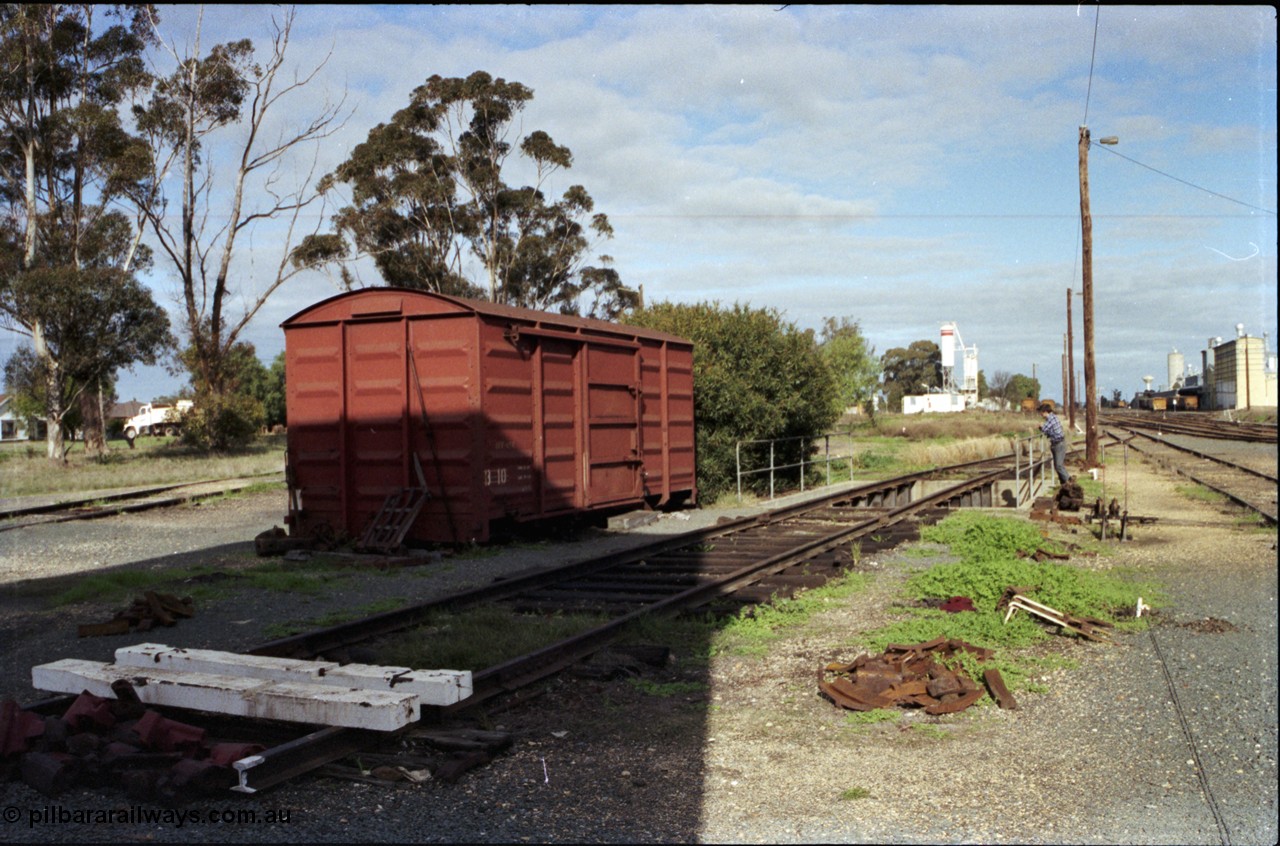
<point x="64" y="71"/>
<point x="205" y="100"/>
<point x="429" y="189"/>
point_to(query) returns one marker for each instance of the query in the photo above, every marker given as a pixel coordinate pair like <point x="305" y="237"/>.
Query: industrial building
<point x="1236" y="374"/>
<point x="955" y="395"/>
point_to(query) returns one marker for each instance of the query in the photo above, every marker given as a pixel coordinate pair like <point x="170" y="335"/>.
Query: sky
<point x="899" y="166"/>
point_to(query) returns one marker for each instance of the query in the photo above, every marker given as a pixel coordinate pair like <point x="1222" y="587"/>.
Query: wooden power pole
<point x="1071" y="368"/>
<point x="1086" y="266"/>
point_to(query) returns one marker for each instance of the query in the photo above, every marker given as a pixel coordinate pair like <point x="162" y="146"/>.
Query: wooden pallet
<point x="393" y="520"/>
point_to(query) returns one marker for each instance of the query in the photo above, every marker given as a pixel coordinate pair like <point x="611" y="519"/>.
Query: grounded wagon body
<point x="503" y="413"/>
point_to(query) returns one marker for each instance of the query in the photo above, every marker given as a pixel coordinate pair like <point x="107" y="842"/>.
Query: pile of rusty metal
<point x="99" y="742"/>
<point x="923" y="675"/>
<point x="147" y="611"/>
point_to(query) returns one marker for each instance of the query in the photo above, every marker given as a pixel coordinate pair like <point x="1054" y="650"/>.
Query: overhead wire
<point x="1183" y="181"/>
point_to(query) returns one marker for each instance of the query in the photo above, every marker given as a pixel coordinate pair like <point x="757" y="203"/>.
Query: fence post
<point x="737" y="457"/>
<point x="1017" y="472"/>
<point x="771" y="463"/>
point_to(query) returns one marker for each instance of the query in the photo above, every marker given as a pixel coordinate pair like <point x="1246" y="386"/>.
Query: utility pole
<point x="1071" y="369"/>
<point x="1086" y="266"/>
<point x="1064" y="371"/>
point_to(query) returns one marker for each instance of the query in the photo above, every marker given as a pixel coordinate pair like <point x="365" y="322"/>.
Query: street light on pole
<point x="1086" y="238"/>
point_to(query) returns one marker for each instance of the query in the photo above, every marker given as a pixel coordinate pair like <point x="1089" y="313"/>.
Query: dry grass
<point x="24" y="469"/>
<point x="957" y="452"/>
<point x="966" y="425"/>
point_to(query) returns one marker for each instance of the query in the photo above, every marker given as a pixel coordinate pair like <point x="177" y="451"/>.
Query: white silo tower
<point x="947" y="346"/>
<point x="1177" y="369"/>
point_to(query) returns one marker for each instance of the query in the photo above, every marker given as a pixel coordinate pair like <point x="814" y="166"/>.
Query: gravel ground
<point x="1114" y="751"/>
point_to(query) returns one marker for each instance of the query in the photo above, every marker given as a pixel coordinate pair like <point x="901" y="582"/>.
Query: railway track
<point x="17" y="515"/>
<point x="740" y="562"/>
<point x="1244" y="485"/>
<point x="1189" y="423"/>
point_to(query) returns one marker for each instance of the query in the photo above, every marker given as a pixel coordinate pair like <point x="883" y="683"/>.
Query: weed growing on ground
<point x="1200" y="493"/>
<point x="854" y="793"/>
<point x="480" y="637"/>
<point x="862" y="719"/>
<point x="113" y="586"/>
<point x="931" y="731"/>
<point x="993" y="555"/>
<point x="753" y="630"/>
<point x="278" y="630"/>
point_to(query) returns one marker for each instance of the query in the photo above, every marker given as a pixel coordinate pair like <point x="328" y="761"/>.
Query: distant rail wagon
<point x="456" y="414"/>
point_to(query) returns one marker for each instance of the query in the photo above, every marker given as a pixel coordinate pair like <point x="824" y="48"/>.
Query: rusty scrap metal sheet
<point x="999" y="691"/>
<point x="904" y="676"/>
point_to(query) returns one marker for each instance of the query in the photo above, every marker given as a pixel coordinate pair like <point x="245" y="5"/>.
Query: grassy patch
<point x="754" y="630"/>
<point x="931" y="731"/>
<point x="854" y="793"/>
<point x="206" y="582"/>
<point x="989" y="551"/>
<point x="1200" y="493"/>
<point x="278" y="630"/>
<point x="121" y="584"/>
<point x="476" y="638"/>
<point x="153" y="461"/>
<point x="862" y="719"/>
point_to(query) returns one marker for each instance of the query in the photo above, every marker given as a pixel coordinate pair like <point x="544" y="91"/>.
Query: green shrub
<point x="221" y="423"/>
<point x="994" y="554"/>
<point x="755" y="377"/>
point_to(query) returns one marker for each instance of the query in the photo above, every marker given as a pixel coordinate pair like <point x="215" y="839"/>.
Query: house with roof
<point x="13" y="427"/>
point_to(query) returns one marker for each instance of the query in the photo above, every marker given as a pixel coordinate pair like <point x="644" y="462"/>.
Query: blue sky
<point x="902" y="166"/>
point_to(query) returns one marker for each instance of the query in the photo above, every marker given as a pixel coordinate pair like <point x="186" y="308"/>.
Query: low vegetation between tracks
<point x="977" y="555"/>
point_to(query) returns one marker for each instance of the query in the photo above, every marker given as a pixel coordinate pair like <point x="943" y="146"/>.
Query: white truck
<point x="153" y="419"/>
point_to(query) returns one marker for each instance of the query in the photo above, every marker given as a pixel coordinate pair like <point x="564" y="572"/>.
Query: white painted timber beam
<point x="433" y="687"/>
<point x="159" y="656"/>
<point x="378" y="710"/>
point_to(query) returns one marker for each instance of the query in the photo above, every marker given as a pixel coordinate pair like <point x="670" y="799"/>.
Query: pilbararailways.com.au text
<point x="140" y="815"/>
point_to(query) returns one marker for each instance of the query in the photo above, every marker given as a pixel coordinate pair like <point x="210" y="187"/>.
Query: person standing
<point x="1052" y="429"/>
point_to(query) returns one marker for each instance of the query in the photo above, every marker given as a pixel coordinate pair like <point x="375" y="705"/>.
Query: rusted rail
<point x="894" y="497"/>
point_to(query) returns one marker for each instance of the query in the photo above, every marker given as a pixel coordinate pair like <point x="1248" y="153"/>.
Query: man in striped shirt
<point x="1052" y="429"/>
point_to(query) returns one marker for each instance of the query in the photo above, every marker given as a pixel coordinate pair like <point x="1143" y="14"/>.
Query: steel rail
<point x="1200" y="479"/>
<point x="319" y="641"/>
<point x="521" y="671"/>
<point x="274" y="765"/>
<point x="1186" y="424"/>
<point x="143" y="499"/>
<point x="1197" y="453"/>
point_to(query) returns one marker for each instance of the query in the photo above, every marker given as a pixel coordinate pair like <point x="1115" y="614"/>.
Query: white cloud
<point x="902" y="166"/>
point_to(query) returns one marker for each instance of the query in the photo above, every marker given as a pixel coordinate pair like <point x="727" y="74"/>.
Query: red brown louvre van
<point x="502" y="413"/>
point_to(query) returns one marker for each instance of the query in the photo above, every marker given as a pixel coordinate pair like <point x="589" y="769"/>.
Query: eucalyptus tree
<point x="911" y="370"/>
<point x="66" y="160"/>
<point x="852" y="362"/>
<point x="213" y="108"/>
<point x="429" y="191"/>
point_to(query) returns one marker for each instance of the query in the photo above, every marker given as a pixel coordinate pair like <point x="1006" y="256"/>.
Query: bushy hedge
<point x="756" y="376"/>
<point x="223" y="423"/>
